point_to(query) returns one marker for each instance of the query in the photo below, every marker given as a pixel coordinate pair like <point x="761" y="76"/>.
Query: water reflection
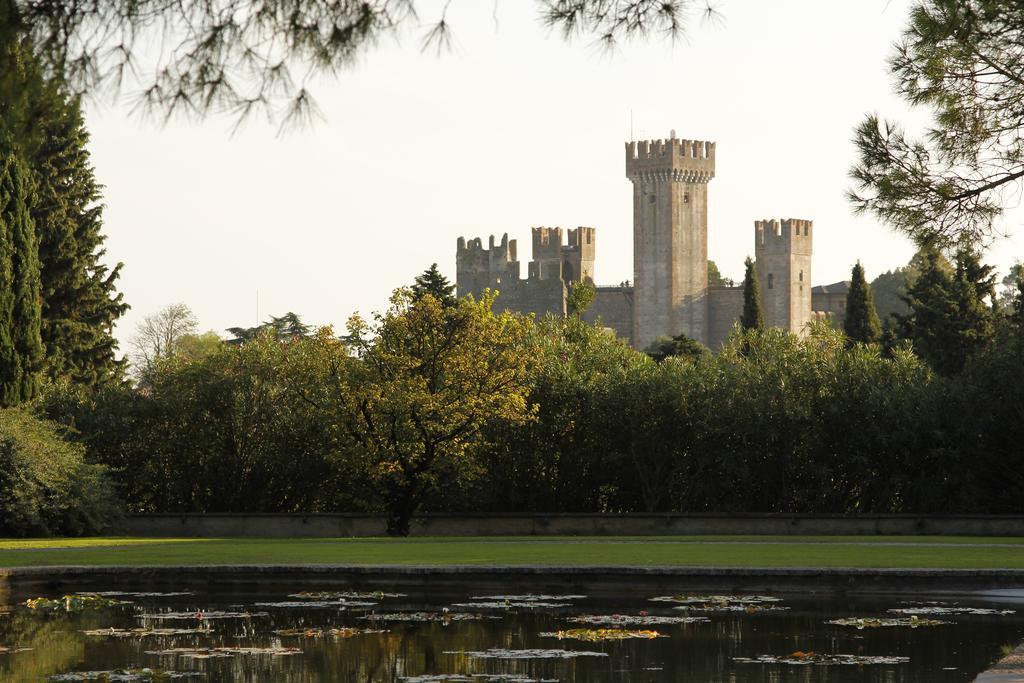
<point x="361" y="652"/>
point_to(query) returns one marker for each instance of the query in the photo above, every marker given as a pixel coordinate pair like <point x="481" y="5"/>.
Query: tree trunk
<point x="401" y="505"/>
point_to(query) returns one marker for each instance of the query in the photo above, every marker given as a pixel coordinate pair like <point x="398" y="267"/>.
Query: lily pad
<point x="500" y="653"/>
<point x="528" y="597"/>
<point x="634" y="620"/>
<point x="881" y="622"/>
<point x="73" y="603"/>
<point x="202" y="615"/>
<point x="439" y="617"/>
<point x="511" y="604"/>
<point x="461" y="678"/>
<point x="325" y="604"/>
<point x="748" y="609"/>
<point x="145" y="632"/>
<point x="147" y="594"/>
<point x="717" y="600"/>
<point x="809" y="658"/>
<point x="317" y="632"/>
<point x="599" y="635"/>
<point x="126" y="675"/>
<point x="345" y="595"/>
<point x="948" y="611"/>
<point x="218" y="652"/>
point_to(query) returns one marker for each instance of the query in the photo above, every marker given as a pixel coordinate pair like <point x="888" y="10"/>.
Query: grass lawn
<point x="698" y="551"/>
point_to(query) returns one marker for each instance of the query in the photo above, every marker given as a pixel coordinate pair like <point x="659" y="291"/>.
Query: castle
<point x="670" y="294"/>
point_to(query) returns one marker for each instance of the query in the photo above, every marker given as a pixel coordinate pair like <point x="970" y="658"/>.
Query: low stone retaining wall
<point x="354" y="525"/>
<point x="1009" y="669"/>
<point x="593" y="580"/>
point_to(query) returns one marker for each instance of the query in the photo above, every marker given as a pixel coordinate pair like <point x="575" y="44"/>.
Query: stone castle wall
<point x="725" y="305"/>
<point x="613" y="306"/>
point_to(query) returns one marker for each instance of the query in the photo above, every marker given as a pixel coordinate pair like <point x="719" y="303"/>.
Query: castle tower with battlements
<point x="782" y="255"/>
<point x="670" y="236"/>
<point x="670" y="293"/>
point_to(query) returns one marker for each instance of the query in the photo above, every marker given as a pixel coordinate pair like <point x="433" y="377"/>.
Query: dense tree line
<point x="440" y="404"/>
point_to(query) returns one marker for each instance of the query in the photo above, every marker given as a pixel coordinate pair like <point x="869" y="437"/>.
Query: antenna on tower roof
<point x="672" y="134"/>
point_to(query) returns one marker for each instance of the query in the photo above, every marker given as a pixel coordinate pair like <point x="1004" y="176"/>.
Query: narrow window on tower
<point x="686" y="198"/>
<point x="771" y="281"/>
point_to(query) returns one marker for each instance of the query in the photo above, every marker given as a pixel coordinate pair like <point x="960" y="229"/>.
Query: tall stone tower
<point x="670" y="237"/>
<point x="782" y="251"/>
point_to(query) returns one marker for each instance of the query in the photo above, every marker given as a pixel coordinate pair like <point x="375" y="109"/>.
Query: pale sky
<point x="515" y="128"/>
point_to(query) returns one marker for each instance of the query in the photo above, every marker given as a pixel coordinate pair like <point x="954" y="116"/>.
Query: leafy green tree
<point x="157" y="336"/>
<point x="962" y="60"/>
<point x="21" y="350"/>
<point x="715" y="278"/>
<point x="753" y="317"/>
<point x="949" y="317"/>
<point x="861" y="321"/>
<point x="432" y="282"/>
<point x="194" y="347"/>
<point x="679" y="346"/>
<point x="429" y="378"/>
<point x="581" y="296"/>
<point x="287" y="326"/>
<point x="1007" y="296"/>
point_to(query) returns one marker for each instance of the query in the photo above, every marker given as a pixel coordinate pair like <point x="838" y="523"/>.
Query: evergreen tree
<point x="80" y="304"/>
<point x="21" y="349"/>
<point x="753" y="317"/>
<point x="949" y="317"/>
<point x="679" y="345"/>
<point x="861" y="323"/>
<point x="432" y="282"/>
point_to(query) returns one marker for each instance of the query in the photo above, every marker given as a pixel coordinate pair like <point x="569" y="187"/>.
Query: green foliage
<point x="677" y="346"/>
<point x="861" y="321"/>
<point x="951" y="316"/>
<point x="79" y="300"/>
<point x="288" y="326"/>
<point x="46" y="486"/>
<point x="753" y="316"/>
<point x="266" y="55"/>
<point x="581" y="296"/>
<point x="715" y="278"/>
<point x="427" y="380"/>
<point x="20" y="306"/>
<point x="432" y="282"/>
<point x="962" y="60"/>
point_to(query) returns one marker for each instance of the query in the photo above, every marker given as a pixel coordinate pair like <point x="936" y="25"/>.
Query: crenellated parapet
<point x="670" y="160"/>
<point x="791" y="235"/>
<point x="478" y="268"/>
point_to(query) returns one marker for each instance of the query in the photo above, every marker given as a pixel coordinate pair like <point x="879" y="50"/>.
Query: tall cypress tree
<point x="21" y="348"/>
<point x="80" y="303"/>
<point x="753" y="317"/>
<point x="861" y="323"/>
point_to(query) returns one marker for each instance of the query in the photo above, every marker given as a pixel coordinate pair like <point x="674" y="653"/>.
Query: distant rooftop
<point x="841" y="287"/>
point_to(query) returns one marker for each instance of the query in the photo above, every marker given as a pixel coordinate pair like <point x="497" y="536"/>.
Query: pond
<point x="420" y="635"/>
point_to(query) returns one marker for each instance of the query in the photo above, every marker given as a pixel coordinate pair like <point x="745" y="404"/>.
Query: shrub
<point x="46" y="486"/>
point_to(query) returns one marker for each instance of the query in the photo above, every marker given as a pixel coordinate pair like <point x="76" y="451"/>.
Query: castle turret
<point x="782" y="251"/>
<point x="477" y="269"/>
<point x="670" y="236"/>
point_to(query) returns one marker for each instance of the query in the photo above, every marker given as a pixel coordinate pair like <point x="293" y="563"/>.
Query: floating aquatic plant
<point x="634" y="620"/>
<point x="500" y="653"/>
<point x="217" y="652"/>
<point x="144" y="632"/>
<point x="880" y="622"/>
<point x="510" y="604"/>
<point x="202" y="615"/>
<point x="809" y="658"/>
<point x="345" y="595"/>
<point x="748" y="609"/>
<point x="528" y="597"/>
<point x="721" y="600"/>
<point x="317" y="632"/>
<point x="951" y="611"/>
<point x="461" y="678"/>
<point x="126" y="675"/>
<point x="598" y="635"/>
<point x="440" y="617"/>
<point x="147" y="594"/>
<point x="326" y="604"/>
<point x="73" y="603"/>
